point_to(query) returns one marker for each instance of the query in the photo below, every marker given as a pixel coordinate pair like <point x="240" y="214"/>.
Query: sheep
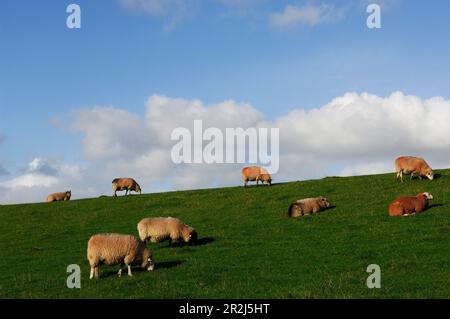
<point x="409" y="205"/>
<point x="410" y="165"/>
<point x="264" y="178"/>
<point x="126" y="184"/>
<point x="114" y="249"/>
<point x="158" y="229"/>
<point x="255" y="173"/>
<point x="58" y="197"/>
<point x="308" y="206"/>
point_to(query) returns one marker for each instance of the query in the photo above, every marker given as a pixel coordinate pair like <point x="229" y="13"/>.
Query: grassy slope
<point x="248" y="247"/>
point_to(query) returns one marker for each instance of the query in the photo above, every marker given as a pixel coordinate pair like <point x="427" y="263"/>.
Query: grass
<point x="248" y="247"/>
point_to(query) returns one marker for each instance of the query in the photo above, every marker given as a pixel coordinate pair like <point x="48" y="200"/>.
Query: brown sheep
<point x="308" y="206"/>
<point x="255" y="173"/>
<point x="158" y="229"/>
<point x="58" y="197"/>
<point x="410" y="165"/>
<point x="115" y="249"/>
<point x="125" y="184"/>
<point x="264" y="178"/>
<point x="405" y="206"/>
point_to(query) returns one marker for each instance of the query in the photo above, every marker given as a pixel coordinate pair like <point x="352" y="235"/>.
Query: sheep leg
<point x="126" y="192"/>
<point x="245" y="182"/>
<point x="97" y="272"/>
<point x="92" y="273"/>
<point x="129" y="271"/>
<point x="120" y="271"/>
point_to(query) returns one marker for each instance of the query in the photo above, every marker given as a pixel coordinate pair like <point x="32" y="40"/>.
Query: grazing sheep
<point x="158" y="229"/>
<point x="115" y="249"/>
<point x="264" y="178"/>
<point x="410" y="165"/>
<point x="308" y="206"/>
<point x="125" y="184"/>
<point x="255" y="173"/>
<point x="58" y="197"/>
<point x="405" y="206"/>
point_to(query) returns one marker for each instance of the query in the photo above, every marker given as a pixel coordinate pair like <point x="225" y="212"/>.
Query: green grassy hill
<point x="248" y="247"/>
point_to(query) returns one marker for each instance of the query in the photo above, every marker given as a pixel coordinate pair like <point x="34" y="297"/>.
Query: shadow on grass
<point x="262" y="185"/>
<point x="417" y="178"/>
<point x="325" y="210"/>
<point x="168" y="264"/>
<point x="106" y="273"/>
<point x="204" y="241"/>
<point x="430" y="206"/>
<point x="198" y="242"/>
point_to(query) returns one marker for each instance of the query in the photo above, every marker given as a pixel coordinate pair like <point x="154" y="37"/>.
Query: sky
<point x="79" y="107"/>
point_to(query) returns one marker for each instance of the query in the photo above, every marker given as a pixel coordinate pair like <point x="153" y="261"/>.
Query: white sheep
<point x="157" y="229"/>
<point x="115" y="249"/>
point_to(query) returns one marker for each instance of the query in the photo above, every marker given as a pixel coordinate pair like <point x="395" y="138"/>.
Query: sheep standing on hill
<point x="59" y="197"/>
<point x="308" y="206"/>
<point x="125" y="184"/>
<point x="157" y="229"/>
<point x="405" y="206"/>
<point x="264" y="178"/>
<point x="413" y="165"/>
<point x="255" y="173"/>
<point x="115" y="249"/>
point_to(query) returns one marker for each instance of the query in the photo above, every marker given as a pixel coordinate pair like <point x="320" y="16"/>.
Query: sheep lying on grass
<point x="157" y="229"/>
<point x="59" y="197"/>
<point x="117" y="249"/>
<point x="308" y="206"/>
<point x="405" y="206"/>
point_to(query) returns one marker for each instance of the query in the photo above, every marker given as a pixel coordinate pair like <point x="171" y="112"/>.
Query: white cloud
<point x="363" y="133"/>
<point x="308" y="15"/>
<point x="119" y="143"/>
<point x="153" y="7"/>
<point x="353" y="134"/>
<point x="30" y="180"/>
<point x="173" y="11"/>
<point x="165" y="114"/>
<point x="41" y="177"/>
<point x="110" y="132"/>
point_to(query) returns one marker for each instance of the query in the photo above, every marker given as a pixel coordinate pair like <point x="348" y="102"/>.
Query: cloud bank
<point x="352" y="134"/>
<point x="41" y="177"/>
<point x="308" y="15"/>
<point x="175" y="12"/>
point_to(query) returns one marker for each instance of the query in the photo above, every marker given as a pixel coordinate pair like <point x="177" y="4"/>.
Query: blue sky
<point x="208" y="50"/>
